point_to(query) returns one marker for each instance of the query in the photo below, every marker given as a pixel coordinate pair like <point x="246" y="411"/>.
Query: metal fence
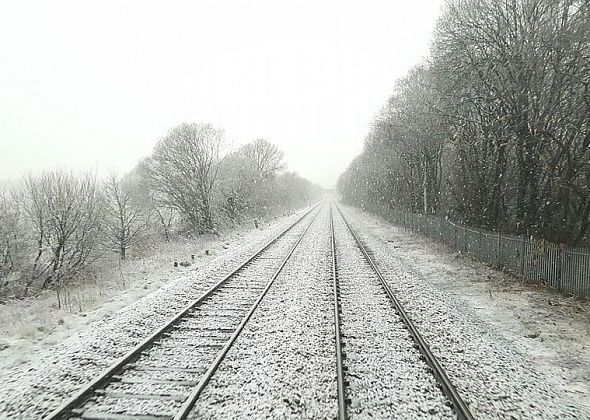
<point x="562" y="267"/>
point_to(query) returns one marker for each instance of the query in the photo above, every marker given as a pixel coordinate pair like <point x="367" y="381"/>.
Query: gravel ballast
<point x="283" y="363"/>
<point x="33" y="390"/>
<point x="488" y="371"/>
<point x="387" y="378"/>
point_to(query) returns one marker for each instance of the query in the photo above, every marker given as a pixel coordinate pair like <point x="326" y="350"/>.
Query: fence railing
<point x="562" y="267"/>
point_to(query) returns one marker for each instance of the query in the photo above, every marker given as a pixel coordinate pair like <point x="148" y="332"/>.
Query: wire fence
<point x="562" y="267"/>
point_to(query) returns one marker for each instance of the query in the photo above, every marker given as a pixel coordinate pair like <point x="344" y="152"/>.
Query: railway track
<point x="163" y="376"/>
<point x="342" y="296"/>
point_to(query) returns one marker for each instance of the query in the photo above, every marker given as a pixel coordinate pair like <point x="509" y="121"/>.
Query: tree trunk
<point x="495" y="201"/>
<point x="32" y="277"/>
<point x="585" y="222"/>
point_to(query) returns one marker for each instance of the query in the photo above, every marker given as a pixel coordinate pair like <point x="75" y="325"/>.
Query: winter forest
<point x="59" y="226"/>
<point x="493" y="129"/>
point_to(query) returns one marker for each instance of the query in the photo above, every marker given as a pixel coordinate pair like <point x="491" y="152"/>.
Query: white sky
<point x="94" y="84"/>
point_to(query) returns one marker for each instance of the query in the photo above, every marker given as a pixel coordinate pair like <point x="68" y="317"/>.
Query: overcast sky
<point x="94" y="84"/>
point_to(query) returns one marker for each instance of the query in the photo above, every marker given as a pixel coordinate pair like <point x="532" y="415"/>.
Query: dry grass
<point x="113" y="283"/>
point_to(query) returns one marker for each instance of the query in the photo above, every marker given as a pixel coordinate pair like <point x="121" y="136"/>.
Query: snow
<point x="53" y="369"/>
<point x="511" y="349"/>
<point x="283" y="364"/>
<point x="387" y="377"/>
<point x="32" y="324"/>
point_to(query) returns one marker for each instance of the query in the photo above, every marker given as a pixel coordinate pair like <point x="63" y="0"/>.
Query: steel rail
<point x="459" y="405"/>
<point x="189" y="403"/>
<point x="78" y="399"/>
<point x="339" y="365"/>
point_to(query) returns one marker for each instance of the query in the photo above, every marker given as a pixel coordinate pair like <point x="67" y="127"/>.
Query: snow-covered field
<point x="30" y="324"/>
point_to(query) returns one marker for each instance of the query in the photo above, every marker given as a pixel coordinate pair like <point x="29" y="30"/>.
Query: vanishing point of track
<point x="150" y="373"/>
<point x="458" y="404"/>
<point x="163" y="376"/>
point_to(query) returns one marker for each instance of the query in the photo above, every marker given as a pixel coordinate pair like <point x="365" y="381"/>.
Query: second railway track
<point x="384" y="366"/>
<point x="163" y="376"/>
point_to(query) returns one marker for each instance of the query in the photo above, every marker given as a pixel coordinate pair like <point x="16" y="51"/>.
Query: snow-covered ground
<point x="513" y="350"/>
<point x="387" y="378"/>
<point x="526" y="350"/>
<point x="34" y="378"/>
<point x="35" y="323"/>
<point x="283" y="364"/>
<point x="193" y="343"/>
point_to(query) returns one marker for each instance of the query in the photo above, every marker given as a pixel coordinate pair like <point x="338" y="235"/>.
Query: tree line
<point x="493" y="129"/>
<point x="55" y="225"/>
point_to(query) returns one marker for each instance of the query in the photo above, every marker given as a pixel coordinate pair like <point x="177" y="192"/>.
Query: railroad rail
<point x="458" y="404"/>
<point x="340" y="382"/>
<point x="166" y="373"/>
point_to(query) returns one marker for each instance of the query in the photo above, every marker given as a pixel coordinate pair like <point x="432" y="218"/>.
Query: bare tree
<point x="495" y="129"/>
<point x="165" y="215"/>
<point x="12" y="247"/>
<point x="291" y="190"/>
<point x="66" y="212"/>
<point x="247" y="180"/>
<point x="183" y="170"/>
<point x="157" y="212"/>
<point x="516" y="73"/>
<point x="264" y="158"/>
<point x="125" y="220"/>
<point x="235" y="185"/>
